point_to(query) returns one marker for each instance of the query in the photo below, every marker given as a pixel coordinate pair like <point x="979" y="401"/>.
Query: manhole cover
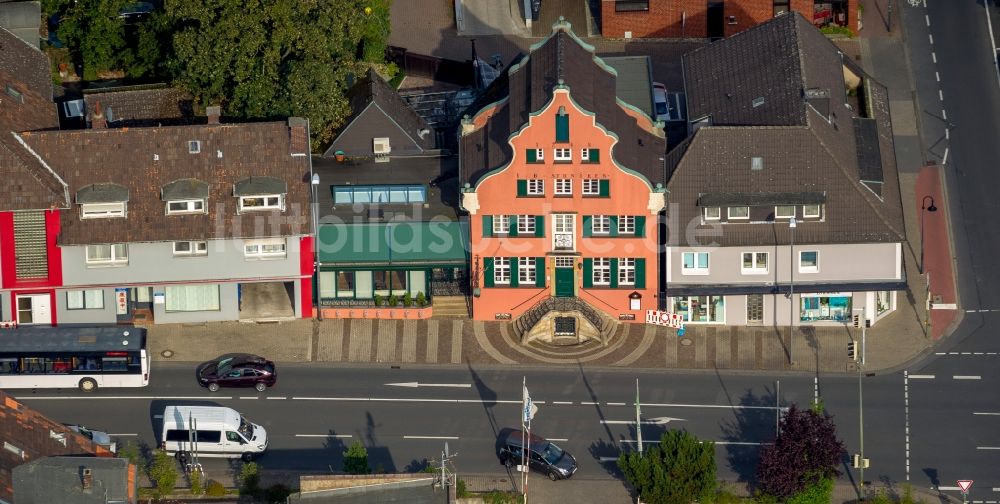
<point x="686" y="341"/>
<point x="167" y="353"/>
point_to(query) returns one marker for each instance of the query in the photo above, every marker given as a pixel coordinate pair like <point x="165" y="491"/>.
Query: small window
<point x="535" y="155"/>
<point x="194" y="146"/>
<point x="626" y="271"/>
<point x="268" y="202"/>
<point x="190" y="248"/>
<point x="738" y="213"/>
<point x="713" y="213"/>
<point x="114" y="364"/>
<point x="631" y="5"/>
<point x="694" y="263"/>
<point x="563" y="154"/>
<point x="102" y="210"/>
<point x="564" y="187"/>
<point x="15" y="94"/>
<point x="501" y="224"/>
<point x="808" y="261"/>
<point x="185" y="207"/>
<point x="601" y="224"/>
<point x="91" y="299"/>
<point x="626" y="224"/>
<point x="754" y="263"/>
<point x="526" y="274"/>
<point x="591" y="187"/>
<point x="602" y="271"/>
<point x="732" y="20"/>
<point x="810" y="211"/>
<point x="264" y="249"/>
<point x="525" y="224"/>
<point x="107" y="255"/>
<point x="501" y="270"/>
<point x="536" y="187"/>
<point x="784" y="211"/>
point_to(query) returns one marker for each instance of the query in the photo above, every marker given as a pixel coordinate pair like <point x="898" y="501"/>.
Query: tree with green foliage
<point x="94" y="32"/>
<point x="680" y="470"/>
<point x="817" y="492"/>
<point x="805" y="452"/>
<point x="163" y="472"/>
<point x="356" y="459"/>
<point x="275" y="58"/>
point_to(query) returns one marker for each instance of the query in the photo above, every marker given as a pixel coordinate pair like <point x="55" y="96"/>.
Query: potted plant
<point x="407" y="300"/>
<point x="339" y="155"/>
<point x="421" y="299"/>
<point x="393" y="300"/>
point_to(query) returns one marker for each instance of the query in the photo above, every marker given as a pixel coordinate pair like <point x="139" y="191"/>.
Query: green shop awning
<point x="394" y="243"/>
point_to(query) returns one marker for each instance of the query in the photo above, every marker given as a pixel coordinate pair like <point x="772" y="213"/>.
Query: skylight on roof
<point x="756" y="163"/>
<point x="758" y="101"/>
<point x="194" y="146"/>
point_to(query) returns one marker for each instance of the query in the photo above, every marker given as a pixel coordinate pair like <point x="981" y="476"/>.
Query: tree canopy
<point x="679" y="470"/>
<point x="805" y="452"/>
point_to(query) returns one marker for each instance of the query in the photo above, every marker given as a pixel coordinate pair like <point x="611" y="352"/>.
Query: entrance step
<point x="450" y="307"/>
<point x="142" y="316"/>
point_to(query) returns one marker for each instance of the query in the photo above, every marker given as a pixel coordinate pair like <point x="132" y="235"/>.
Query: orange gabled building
<point x="563" y="182"/>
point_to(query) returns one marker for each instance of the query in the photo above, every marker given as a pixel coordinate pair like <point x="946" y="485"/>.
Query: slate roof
<point x="144" y="105"/>
<point x="25" y="182"/>
<point x="634" y="82"/>
<point x="374" y="90"/>
<point x="59" y="479"/>
<point x="796" y="75"/>
<point x="22" y="19"/>
<point x="145" y="160"/>
<point x="527" y="87"/>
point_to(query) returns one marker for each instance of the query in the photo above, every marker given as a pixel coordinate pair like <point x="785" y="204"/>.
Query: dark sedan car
<point x="237" y="370"/>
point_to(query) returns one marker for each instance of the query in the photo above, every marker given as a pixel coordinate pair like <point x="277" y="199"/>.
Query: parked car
<point x="546" y="457"/>
<point x="660" y="102"/>
<point x="237" y="370"/>
<point x="101" y="438"/>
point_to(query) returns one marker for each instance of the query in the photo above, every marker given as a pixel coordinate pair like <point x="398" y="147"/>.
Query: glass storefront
<point x="701" y="309"/>
<point x="834" y="307"/>
<point x="366" y="284"/>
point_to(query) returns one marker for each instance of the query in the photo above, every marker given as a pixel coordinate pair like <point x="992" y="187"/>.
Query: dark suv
<point x="546" y="457"/>
<point x="237" y="370"/>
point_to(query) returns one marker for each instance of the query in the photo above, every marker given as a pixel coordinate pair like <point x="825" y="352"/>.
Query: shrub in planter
<point x="215" y="489"/>
<point x="196" y="486"/>
<point x="407" y="300"/>
<point x="163" y="472"/>
<point x="421" y="299"/>
<point x="378" y="300"/>
<point x="393" y="300"/>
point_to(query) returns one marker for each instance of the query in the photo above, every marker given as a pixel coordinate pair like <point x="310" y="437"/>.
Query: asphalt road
<point x="954" y="426"/>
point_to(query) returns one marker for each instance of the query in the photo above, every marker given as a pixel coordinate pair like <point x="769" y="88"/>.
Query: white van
<point x="222" y="432"/>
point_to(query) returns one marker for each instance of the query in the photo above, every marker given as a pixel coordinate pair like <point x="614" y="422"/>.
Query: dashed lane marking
<point x="966" y="377"/>
<point x="989" y="413"/>
<point x="339" y="436"/>
<point x="922" y="376"/>
<point x="449" y="438"/>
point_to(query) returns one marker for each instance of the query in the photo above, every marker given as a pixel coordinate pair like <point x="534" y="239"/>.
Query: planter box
<point x="380" y="312"/>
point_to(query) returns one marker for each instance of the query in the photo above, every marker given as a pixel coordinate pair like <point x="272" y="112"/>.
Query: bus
<point x="65" y="357"/>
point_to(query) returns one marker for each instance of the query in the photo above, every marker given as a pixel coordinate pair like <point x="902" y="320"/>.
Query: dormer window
<point x="261" y="193"/>
<point x="102" y="201"/>
<point x="185" y="196"/>
<point x="194" y="146"/>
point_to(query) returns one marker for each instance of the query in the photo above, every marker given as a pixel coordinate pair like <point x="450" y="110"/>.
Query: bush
<point x="163" y="472"/>
<point x="249" y="478"/>
<point x="130" y="451"/>
<point x="498" y="497"/>
<point x="378" y="300"/>
<point x="837" y="30"/>
<point x="215" y="489"/>
<point x="407" y="300"/>
<point x="421" y="299"/>
<point x="461" y="489"/>
<point x="393" y="300"/>
<point x="817" y="493"/>
<point x="356" y="459"/>
<point x="196" y="487"/>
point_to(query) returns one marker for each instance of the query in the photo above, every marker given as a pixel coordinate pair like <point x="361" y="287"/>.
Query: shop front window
<point x="701" y="309"/>
<point x="829" y="307"/>
<point x="883" y="301"/>
<point x="345" y="284"/>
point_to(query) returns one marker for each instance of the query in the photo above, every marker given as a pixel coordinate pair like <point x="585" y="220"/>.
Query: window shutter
<point x="513" y="272"/>
<point x="614" y="272"/>
<point x="604" y="186"/>
<point x="531" y="155"/>
<point x="487" y="226"/>
<point x="614" y="226"/>
<point x="522" y="187"/>
<point x="488" y="271"/>
<point x="512" y="220"/>
<point x="588" y="272"/>
<point x="640" y="226"/>
<point x="539" y="226"/>
<point x="640" y="273"/>
<point x="539" y="272"/>
<point x="562" y="128"/>
<point x="588" y="225"/>
<point x="595" y="155"/>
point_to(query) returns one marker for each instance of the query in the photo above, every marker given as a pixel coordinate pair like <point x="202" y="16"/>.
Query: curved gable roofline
<point x="548" y="105"/>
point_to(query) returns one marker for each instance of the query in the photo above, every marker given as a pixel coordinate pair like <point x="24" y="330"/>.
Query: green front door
<point x="564" y="282"/>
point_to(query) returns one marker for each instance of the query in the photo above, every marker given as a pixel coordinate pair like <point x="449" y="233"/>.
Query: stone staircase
<point x="605" y="325"/>
<point x="450" y="307"/>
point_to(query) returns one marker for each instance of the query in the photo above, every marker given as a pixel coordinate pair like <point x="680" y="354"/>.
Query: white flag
<point x="529" y="407"/>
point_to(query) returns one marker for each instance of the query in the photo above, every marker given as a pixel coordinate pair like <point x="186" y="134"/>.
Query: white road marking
<point x="589" y="403"/>
<point x="948" y="488"/>
<point x="947" y="135"/>
<point x="146" y="398"/>
<point x="608" y="459"/>
<point x="616" y="404"/>
<point x="561" y="440"/>
<point x="644" y="441"/>
<point x="922" y="376"/>
<point x="988" y="447"/>
<point x="934" y="57"/>
<point x="944" y="114"/>
<point x="562" y="402"/>
<point x="966" y="377"/>
<point x="927" y="19"/>
<point x="940" y="95"/>
<point x="123" y="435"/>
<point x="248" y="397"/>
<point x="937" y="76"/>
<point x="906" y="420"/>
<point x="986" y="413"/>
<point x="726" y="406"/>
<point x="418" y="384"/>
<point x="652" y="421"/>
<point x="398" y="399"/>
<point x="931" y="38"/>
<point x="341" y="436"/>
<point x="276" y="398"/>
<point x="431" y="437"/>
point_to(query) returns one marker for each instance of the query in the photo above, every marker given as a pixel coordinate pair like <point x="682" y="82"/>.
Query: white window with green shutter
<point x="589" y="155"/>
<point x="591" y="187"/>
<point x="626" y="224"/>
<point x="564" y="187"/>
<point x="501" y="270"/>
<point x="626" y="271"/>
<point x="601" y="224"/>
<point x="526" y="274"/>
<point x="525" y="224"/>
<point x="501" y="224"/>
<point x="536" y="187"/>
<point x="601" y="271"/>
<point x="535" y="155"/>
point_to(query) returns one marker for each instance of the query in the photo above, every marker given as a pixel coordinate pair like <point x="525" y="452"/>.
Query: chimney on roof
<point x="213" y="113"/>
<point x="97" y="119"/>
<point x="87" y="478"/>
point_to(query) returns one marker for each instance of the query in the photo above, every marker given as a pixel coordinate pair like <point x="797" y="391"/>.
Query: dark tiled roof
<point x="59" y="479"/>
<point x="528" y="88"/>
<point x="804" y="131"/>
<point x="144" y="160"/>
<point x="102" y="193"/>
<point x="147" y="105"/>
<point x="184" y="189"/>
<point x="22" y="19"/>
<point x="26" y="63"/>
<point x="633" y="85"/>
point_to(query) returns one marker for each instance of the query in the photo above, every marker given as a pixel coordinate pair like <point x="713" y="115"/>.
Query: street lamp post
<point x="862" y="462"/>
<point x="929" y="208"/>
<point x="315" y="221"/>
<point x="791" y="287"/>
